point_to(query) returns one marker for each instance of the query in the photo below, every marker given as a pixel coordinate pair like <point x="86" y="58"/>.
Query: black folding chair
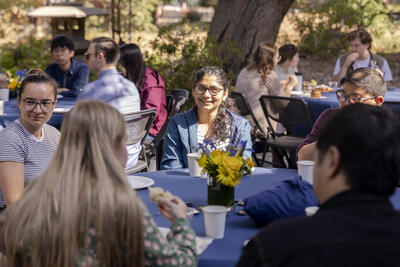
<point x="181" y="96"/>
<point x="287" y="111"/>
<point x="137" y="126"/>
<point x="257" y="133"/>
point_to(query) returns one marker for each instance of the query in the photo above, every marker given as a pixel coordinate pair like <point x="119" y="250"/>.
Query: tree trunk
<point x="246" y="23"/>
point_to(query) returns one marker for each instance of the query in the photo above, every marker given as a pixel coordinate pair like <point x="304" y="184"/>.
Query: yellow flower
<point x="203" y="161"/>
<point x="13" y="84"/>
<point x="250" y="162"/>
<point x="314" y="82"/>
<point x="217" y="156"/>
<point x="233" y="163"/>
<point x="225" y="176"/>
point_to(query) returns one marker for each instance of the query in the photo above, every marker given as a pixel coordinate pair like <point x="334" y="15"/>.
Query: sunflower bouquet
<point x="227" y="167"/>
<point x="16" y="80"/>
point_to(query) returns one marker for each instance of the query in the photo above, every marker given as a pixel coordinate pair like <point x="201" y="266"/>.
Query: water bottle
<point x="299" y="86"/>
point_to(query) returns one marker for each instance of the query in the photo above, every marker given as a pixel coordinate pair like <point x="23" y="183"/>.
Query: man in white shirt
<point x="360" y="57"/>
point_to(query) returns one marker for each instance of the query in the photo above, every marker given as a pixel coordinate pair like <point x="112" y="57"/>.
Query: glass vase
<point x="219" y="194"/>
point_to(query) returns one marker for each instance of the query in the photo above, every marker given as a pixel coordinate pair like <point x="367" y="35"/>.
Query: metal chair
<point x="257" y="132"/>
<point x="137" y="126"/>
<point x="288" y="111"/>
<point x="181" y="96"/>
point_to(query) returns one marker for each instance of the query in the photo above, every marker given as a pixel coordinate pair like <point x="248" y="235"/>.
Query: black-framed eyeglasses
<point x="30" y="104"/>
<point x="87" y="55"/>
<point x="213" y="90"/>
<point x="342" y="97"/>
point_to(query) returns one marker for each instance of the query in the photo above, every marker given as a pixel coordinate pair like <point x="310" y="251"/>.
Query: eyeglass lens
<point x="31" y="104"/>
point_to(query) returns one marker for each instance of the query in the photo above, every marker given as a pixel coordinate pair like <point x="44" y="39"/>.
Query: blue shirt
<point x="112" y="88"/>
<point x="181" y="138"/>
<point x="74" y="79"/>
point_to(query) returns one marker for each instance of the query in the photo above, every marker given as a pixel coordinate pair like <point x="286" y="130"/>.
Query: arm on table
<point x="11" y="180"/>
<point x="307" y="152"/>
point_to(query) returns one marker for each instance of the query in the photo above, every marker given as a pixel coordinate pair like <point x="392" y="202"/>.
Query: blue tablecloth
<point x="317" y="105"/>
<point x="221" y="252"/>
<point x="11" y="111"/>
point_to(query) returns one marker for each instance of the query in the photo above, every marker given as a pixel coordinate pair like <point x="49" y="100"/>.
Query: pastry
<point x="316" y="93"/>
<point x="156" y="192"/>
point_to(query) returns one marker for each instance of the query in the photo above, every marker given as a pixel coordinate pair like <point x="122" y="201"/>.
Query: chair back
<point x="245" y="110"/>
<point x="138" y="125"/>
<point x="285" y="110"/>
<point x="181" y="98"/>
<point x="159" y="153"/>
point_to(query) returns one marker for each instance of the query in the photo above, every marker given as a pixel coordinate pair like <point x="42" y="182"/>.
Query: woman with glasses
<point x="259" y="78"/>
<point x="28" y="144"/>
<point x="211" y="118"/>
<point x="82" y="212"/>
<point x="364" y="85"/>
<point x="149" y="83"/>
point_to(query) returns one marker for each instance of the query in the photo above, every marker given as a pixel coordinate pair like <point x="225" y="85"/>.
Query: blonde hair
<point x="84" y="187"/>
<point x="263" y="60"/>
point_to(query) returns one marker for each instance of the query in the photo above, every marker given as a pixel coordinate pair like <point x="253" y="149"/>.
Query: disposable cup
<point x="214" y="221"/>
<point x="333" y="84"/>
<point x="305" y="169"/>
<point x="1" y="107"/>
<point x="310" y="211"/>
<point x="4" y="94"/>
<point x="194" y="168"/>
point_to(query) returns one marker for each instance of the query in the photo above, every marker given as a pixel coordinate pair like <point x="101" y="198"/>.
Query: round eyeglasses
<point x="342" y="97"/>
<point x="30" y="104"/>
<point x="213" y="90"/>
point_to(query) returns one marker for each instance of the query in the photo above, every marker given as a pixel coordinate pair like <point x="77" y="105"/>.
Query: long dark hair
<point x="263" y="60"/>
<point x="221" y="125"/>
<point x="132" y="60"/>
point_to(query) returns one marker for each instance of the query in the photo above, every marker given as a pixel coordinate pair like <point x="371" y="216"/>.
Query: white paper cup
<point x="1" y="107"/>
<point x="333" y="84"/>
<point x="214" y="221"/>
<point x="305" y="169"/>
<point x="4" y="94"/>
<point x="310" y="211"/>
<point x="194" y="168"/>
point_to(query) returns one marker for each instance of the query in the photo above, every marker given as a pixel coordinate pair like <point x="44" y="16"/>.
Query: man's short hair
<point x="368" y="140"/>
<point x="369" y="79"/>
<point x="287" y="51"/>
<point x="361" y="34"/>
<point x="62" y="40"/>
<point x="108" y="47"/>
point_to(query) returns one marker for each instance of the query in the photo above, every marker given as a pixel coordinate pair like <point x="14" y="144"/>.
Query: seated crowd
<point x="76" y="178"/>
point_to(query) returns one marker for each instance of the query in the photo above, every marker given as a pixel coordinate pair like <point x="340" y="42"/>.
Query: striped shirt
<point x="19" y="145"/>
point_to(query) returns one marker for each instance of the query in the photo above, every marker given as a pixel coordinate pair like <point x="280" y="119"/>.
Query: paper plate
<point x="59" y="96"/>
<point x="139" y="182"/>
<point x="61" y="110"/>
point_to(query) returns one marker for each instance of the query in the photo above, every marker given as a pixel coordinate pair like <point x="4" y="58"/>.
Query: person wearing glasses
<point x="211" y="118"/>
<point x="70" y="75"/>
<point x="28" y="144"/>
<point x="111" y="87"/>
<point x="364" y="85"/>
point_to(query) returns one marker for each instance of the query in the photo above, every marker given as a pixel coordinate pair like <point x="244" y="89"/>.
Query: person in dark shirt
<point x="71" y="75"/>
<point x="357" y="168"/>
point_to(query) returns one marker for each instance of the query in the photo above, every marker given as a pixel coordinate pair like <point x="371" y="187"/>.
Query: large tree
<point x="245" y="24"/>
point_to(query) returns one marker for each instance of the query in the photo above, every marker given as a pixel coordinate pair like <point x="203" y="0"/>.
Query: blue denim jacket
<point x="181" y="138"/>
<point x="74" y="79"/>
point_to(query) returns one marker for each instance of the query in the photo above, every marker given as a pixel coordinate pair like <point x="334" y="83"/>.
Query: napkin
<point x="201" y="242"/>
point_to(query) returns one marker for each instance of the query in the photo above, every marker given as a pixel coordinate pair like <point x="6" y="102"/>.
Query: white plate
<point x="139" y="182"/>
<point x="59" y="96"/>
<point x="321" y="97"/>
<point x="61" y="110"/>
<point x="296" y="93"/>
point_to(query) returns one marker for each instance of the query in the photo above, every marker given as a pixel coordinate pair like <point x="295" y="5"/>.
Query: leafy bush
<point x="179" y="51"/>
<point x="324" y="27"/>
<point x="208" y="3"/>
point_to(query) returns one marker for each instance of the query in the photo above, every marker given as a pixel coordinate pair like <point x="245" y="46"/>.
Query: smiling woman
<point x="28" y="144"/>
<point x="211" y="118"/>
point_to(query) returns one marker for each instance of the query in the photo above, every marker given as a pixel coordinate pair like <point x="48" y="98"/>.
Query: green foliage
<point x="179" y="51"/>
<point x="31" y="54"/>
<point x="324" y="27"/>
<point x="208" y="3"/>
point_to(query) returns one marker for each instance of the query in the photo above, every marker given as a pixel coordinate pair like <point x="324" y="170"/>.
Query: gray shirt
<point x="19" y="145"/>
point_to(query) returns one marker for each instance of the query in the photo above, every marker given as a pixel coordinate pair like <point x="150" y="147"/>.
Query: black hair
<point x="62" y="40"/>
<point x="369" y="79"/>
<point x="108" y="47"/>
<point x="38" y="78"/>
<point x="287" y="52"/>
<point x="221" y="125"/>
<point x="368" y="141"/>
<point x="132" y="60"/>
